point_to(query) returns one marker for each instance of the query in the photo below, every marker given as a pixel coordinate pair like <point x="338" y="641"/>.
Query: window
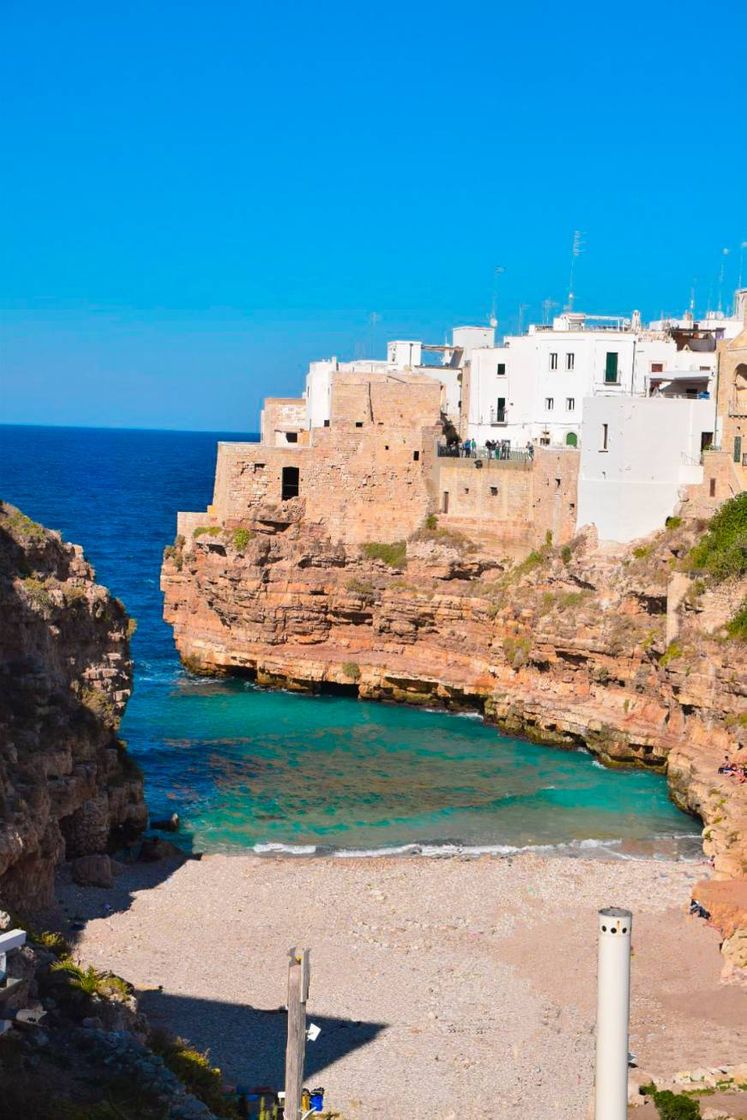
<point x="610" y="368"/>
<point x="359" y="423"/>
<point x="557" y="483"/>
<point x="549" y="403"/>
<point x="258" y="467"/>
<point x="571" y="439"/>
<point x="712" y="487"/>
<point x="570" y="404"/>
<point x="553" y="361"/>
<point x="501" y="371"/>
<point x="290" y="482"/>
<point x="570" y="361"/>
<point x="500" y="411"/>
<point x="605" y="437"/>
<point x="326" y="423"/>
<point x="657" y="367"/>
<point x="291" y="437"/>
<point x="445" y="502"/>
<point x="737" y="449"/>
<point x="416" y="456"/>
<point x="493" y="491"/>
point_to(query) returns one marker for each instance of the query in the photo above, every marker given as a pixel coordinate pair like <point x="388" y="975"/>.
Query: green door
<point x="737" y="449"/>
<point x="610" y="368"/>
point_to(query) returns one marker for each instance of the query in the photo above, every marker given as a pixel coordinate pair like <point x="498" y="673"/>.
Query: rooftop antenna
<point x="547" y="306"/>
<point x="724" y="255"/>
<point x="373" y="319"/>
<point x="493" y="321"/>
<point x="742" y="248"/>
<point x="522" y="308"/>
<point x="576" y="252"/>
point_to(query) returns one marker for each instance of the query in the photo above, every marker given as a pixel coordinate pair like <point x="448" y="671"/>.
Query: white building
<point x="637" y="455"/>
<point x="533" y="387"/>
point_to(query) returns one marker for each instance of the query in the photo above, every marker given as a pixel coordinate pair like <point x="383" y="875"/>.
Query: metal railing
<point x="502" y="453"/>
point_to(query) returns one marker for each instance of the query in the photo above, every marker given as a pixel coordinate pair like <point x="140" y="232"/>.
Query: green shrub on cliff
<point x="362" y="587"/>
<point x="22" y="526"/>
<point x="99" y="703"/>
<point x="195" y="1072"/>
<point x="395" y="554"/>
<point x="722" y="552"/>
<point x="37" y="593"/>
<point x="241" y="538"/>
<point x="207" y="530"/>
<point x="175" y="552"/>
<point x="673" y="1106"/>
<point x="737" y="626"/>
<point x="352" y="670"/>
<point x="671" y="653"/>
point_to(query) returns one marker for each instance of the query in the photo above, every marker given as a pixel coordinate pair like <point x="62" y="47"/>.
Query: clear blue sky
<point x="199" y="197"/>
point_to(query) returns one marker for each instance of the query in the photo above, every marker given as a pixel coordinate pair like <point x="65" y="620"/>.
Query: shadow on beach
<point x="77" y="905"/>
<point x="248" y="1043"/>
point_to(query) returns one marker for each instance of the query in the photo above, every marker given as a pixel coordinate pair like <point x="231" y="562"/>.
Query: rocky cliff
<point x="614" y="649"/>
<point x="67" y="785"/>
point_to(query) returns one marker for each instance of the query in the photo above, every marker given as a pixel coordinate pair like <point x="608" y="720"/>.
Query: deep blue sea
<point x="268" y="770"/>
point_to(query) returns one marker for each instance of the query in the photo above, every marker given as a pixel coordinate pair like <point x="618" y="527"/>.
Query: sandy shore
<point x="444" y="987"/>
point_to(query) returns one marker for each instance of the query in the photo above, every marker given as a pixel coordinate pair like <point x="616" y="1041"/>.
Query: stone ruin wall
<point x="511" y="506"/>
<point x="368" y="477"/>
<point x="374" y="474"/>
<point x="281" y="415"/>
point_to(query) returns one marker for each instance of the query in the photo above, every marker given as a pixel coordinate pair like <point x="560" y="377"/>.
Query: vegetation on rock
<point x="722" y="552"/>
<point x="394" y="555"/>
<point x="673" y="1106"/>
<point x="241" y="538"/>
<point x="194" y="1070"/>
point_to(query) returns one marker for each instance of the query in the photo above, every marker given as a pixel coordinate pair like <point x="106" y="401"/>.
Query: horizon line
<point x="124" y="428"/>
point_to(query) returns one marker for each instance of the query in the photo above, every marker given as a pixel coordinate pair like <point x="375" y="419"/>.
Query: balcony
<point x="498" y="416"/>
<point x="495" y="454"/>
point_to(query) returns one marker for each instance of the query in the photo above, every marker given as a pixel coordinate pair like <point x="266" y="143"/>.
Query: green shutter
<point x="610" y="368"/>
<point x="737" y="449"/>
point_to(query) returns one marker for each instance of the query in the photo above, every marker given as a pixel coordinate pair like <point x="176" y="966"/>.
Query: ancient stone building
<point x="725" y="468"/>
<point x="373" y="472"/>
<point x="732" y="404"/>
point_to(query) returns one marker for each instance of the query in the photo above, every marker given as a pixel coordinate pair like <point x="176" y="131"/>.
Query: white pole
<point x="613" y="1014"/>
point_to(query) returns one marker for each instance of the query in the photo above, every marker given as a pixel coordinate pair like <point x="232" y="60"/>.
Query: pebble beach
<point x="444" y="987"/>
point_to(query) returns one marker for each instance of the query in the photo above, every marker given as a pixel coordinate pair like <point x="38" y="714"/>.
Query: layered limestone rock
<point x="67" y="785"/>
<point x="572" y="646"/>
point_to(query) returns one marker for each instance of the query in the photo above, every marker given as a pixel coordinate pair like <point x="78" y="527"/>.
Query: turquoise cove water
<point x="274" y="771"/>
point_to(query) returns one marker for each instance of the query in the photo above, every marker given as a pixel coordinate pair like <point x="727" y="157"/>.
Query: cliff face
<point x="67" y="787"/>
<point x="572" y="646"/>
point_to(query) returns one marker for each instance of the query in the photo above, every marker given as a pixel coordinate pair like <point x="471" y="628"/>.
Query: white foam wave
<point x="270" y="848"/>
<point x="444" y="850"/>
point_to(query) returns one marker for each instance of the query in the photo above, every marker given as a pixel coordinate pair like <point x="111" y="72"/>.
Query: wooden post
<point x="298" y="993"/>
